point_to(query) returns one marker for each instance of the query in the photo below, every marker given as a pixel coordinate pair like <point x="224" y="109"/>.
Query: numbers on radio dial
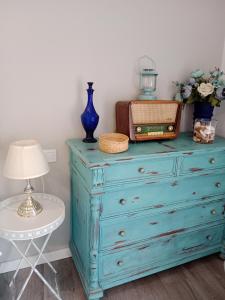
<point x="154" y="130"/>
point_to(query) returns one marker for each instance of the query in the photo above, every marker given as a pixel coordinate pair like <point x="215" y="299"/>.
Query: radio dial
<point x="138" y="129"/>
<point x="170" y="128"/>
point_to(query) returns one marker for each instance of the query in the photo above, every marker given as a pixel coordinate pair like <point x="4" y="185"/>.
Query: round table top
<point x="15" y="227"/>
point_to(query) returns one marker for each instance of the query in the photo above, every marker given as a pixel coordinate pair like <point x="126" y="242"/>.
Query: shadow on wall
<point x="5" y="184"/>
<point x="219" y="114"/>
<point x="187" y="118"/>
<point x="79" y="104"/>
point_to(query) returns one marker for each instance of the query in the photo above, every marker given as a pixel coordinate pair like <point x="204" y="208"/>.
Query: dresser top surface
<point x="93" y="157"/>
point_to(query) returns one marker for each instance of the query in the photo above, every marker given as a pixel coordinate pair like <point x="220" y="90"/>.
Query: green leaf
<point x="214" y="101"/>
<point x="189" y="100"/>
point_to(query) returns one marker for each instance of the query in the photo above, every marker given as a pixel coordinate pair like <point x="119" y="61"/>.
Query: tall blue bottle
<point x="89" y="117"/>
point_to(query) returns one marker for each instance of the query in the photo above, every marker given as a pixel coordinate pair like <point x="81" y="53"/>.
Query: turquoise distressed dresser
<point x="156" y="206"/>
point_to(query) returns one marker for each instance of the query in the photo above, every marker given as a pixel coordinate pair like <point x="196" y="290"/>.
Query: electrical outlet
<point x="50" y="155"/>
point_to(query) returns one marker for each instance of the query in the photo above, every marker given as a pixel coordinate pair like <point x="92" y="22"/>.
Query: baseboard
<point x="51" y="256"/>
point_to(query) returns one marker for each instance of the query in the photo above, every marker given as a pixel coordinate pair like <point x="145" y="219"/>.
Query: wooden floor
<point x="202" y="279"/>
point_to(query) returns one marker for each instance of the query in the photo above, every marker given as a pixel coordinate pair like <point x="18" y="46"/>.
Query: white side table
<point x="15" y="228"/>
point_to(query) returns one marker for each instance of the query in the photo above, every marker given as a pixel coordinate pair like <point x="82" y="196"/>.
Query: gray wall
<point x="51" y="48"/>
<point x="219" y="113"/>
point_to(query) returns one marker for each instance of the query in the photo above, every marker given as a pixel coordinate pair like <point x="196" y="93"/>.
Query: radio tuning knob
<point x="138" y="129"/>
<point x="170" y="128"/>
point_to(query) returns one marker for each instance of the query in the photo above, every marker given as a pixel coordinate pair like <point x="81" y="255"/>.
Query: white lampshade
<point x="25" y="160"/>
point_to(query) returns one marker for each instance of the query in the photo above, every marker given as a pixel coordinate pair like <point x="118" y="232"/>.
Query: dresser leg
<point x="95" y="295"/>
<point x="222" y="251"/>
<point x="222" y="255"/>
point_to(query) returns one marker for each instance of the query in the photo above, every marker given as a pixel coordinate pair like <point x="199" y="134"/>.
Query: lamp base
<point x="29" y="208"/>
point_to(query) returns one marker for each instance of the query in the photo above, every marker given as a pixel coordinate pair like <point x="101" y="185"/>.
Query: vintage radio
<point x="148" y="120"/>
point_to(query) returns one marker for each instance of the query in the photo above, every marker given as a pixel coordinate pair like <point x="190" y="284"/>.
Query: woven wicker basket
<point x="113" y="142"/>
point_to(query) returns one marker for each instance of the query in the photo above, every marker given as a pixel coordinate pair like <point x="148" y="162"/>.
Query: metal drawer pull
<point x="120" y="263"/>
<point x="122" y="233"/>
<point x="218" y="184"/>
<point x="123" y="201"/>
<point x="209" y="237"/>
<point x="213" y="212"/>
<point x="212" y="161"/>
<point x="141" y="170"/>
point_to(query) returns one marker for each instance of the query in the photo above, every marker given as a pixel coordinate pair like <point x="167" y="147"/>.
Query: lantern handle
<point x="146" y="57"/>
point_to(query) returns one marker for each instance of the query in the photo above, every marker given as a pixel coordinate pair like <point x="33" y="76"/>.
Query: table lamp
<point x="25" y="160"/>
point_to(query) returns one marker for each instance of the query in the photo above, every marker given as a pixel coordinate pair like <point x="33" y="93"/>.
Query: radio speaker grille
<point x="153" y="113"/>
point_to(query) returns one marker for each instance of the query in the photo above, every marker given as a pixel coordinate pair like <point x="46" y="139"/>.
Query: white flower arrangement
<point x="202" y="87"/>
<point x="205" y="89"/>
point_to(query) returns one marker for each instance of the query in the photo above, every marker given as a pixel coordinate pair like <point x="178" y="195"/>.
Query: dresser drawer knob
<point x="218" y="184"/>
<point x="213" y="212"/>
<point x="212" y="161"/>
<point x="122" y="233"/>
<point x="123" y="201"/>
<point x="141" y="170"/>
<point x="119" y="263"/>
<point x="209" y="237"/>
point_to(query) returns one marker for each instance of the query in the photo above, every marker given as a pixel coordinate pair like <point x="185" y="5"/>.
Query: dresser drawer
<point x="119" y="232"/>
<point x="141" y="169"/>
<point x="157" y="195"/>
<point x="201" y="162"/>
<point x="150" y="255"/>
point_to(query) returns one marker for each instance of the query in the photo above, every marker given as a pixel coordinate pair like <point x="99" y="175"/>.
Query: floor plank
<point x="176" y="287"/>
<point x="203" y="279"/>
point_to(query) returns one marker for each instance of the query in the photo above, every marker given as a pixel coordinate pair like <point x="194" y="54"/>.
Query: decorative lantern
<point x="148" y="77"/>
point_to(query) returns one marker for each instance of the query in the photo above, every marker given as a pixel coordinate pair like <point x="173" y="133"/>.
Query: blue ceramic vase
<point x="203" y="110"/>
<point x="89" y="117"/>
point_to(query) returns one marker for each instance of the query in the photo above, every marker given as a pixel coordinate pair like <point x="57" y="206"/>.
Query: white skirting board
<point x="52" y="256"/>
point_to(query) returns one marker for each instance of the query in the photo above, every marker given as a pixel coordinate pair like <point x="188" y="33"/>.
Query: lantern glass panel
<point x="148" y="83"/>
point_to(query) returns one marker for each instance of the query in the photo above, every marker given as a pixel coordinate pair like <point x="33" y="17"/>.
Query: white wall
<point x="223" y="58"/>
<point x="219" y="113"/>
<point x="50" y="48"/>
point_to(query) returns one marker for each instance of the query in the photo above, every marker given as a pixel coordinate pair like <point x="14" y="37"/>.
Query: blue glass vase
<point x="89" y="117"/>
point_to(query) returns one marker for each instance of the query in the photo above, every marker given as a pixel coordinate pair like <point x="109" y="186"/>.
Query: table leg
<point x="33" y="269"/>
<point x="44" y="257"/>
<point x="19" y="265"/>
